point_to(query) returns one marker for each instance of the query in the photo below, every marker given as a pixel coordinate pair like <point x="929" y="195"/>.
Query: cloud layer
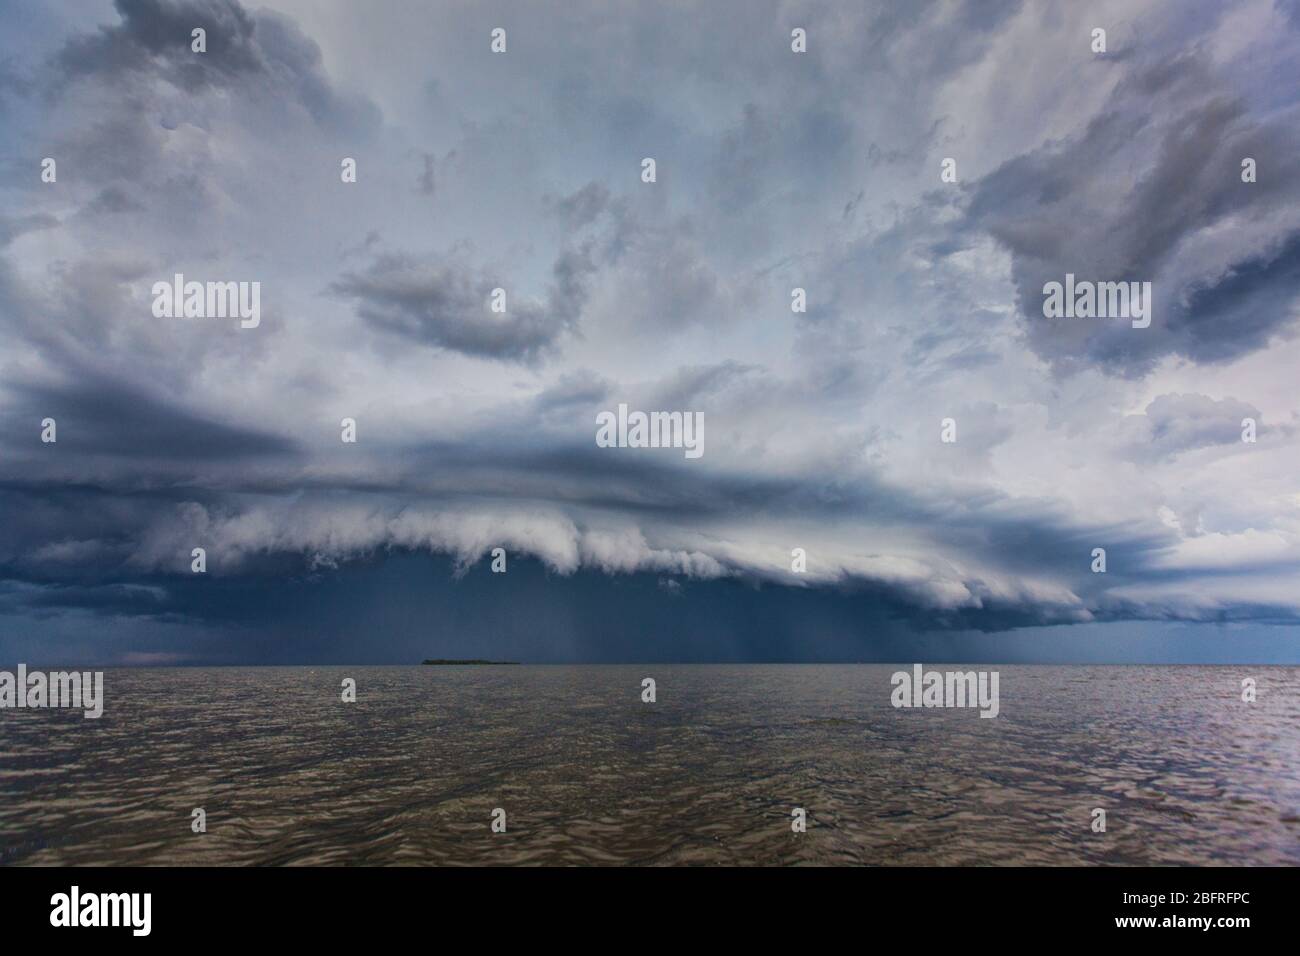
<point x="775" y="171"/>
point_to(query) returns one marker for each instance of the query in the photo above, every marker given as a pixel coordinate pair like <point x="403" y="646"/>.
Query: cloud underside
<point x="991" y="568"/>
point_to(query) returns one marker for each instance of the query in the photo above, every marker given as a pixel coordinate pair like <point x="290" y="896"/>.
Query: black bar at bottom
<point x="332" y="905"/>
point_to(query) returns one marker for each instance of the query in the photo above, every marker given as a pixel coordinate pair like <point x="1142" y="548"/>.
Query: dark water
<point x="587" y="773"/>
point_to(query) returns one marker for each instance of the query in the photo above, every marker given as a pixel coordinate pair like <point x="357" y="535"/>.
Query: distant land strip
<point x="441" y="661"/>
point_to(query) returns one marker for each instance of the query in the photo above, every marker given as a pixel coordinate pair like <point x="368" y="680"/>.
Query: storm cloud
<point x="475" y="429"/>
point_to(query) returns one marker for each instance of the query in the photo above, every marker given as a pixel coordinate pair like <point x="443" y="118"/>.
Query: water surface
<point x="410" y="774"/>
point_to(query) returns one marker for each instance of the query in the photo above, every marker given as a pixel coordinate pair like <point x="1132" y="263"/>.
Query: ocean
<point x="710" y="773"/>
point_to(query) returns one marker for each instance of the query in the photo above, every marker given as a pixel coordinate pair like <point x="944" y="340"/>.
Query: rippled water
<point x="587" y="773"/>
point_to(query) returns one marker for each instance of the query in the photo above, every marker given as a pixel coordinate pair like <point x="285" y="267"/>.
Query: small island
<point x="442" y="662"/>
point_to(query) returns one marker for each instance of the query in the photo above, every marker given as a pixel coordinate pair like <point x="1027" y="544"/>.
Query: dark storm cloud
<point x="260" y="57"/>
<point x="324" y="522"/>
<point x="123" y="526"/>
<point x="261" y="53"/>
<point x="446" y="304"/>
<point x="155" y="36"/>
<point x="109" y="600"/>
<point x="776" y="170"/>
<point x="1243" y="309"/>
<point x="1158" y="169"/>
<point x="119" y="419"/>
<point x="1180" y="423"/>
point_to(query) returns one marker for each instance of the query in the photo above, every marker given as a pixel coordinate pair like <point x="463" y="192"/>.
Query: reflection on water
<point x="587" y="773"/>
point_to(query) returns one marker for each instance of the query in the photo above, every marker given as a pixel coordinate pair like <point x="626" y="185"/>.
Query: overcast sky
<point x="523" y="170"/>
